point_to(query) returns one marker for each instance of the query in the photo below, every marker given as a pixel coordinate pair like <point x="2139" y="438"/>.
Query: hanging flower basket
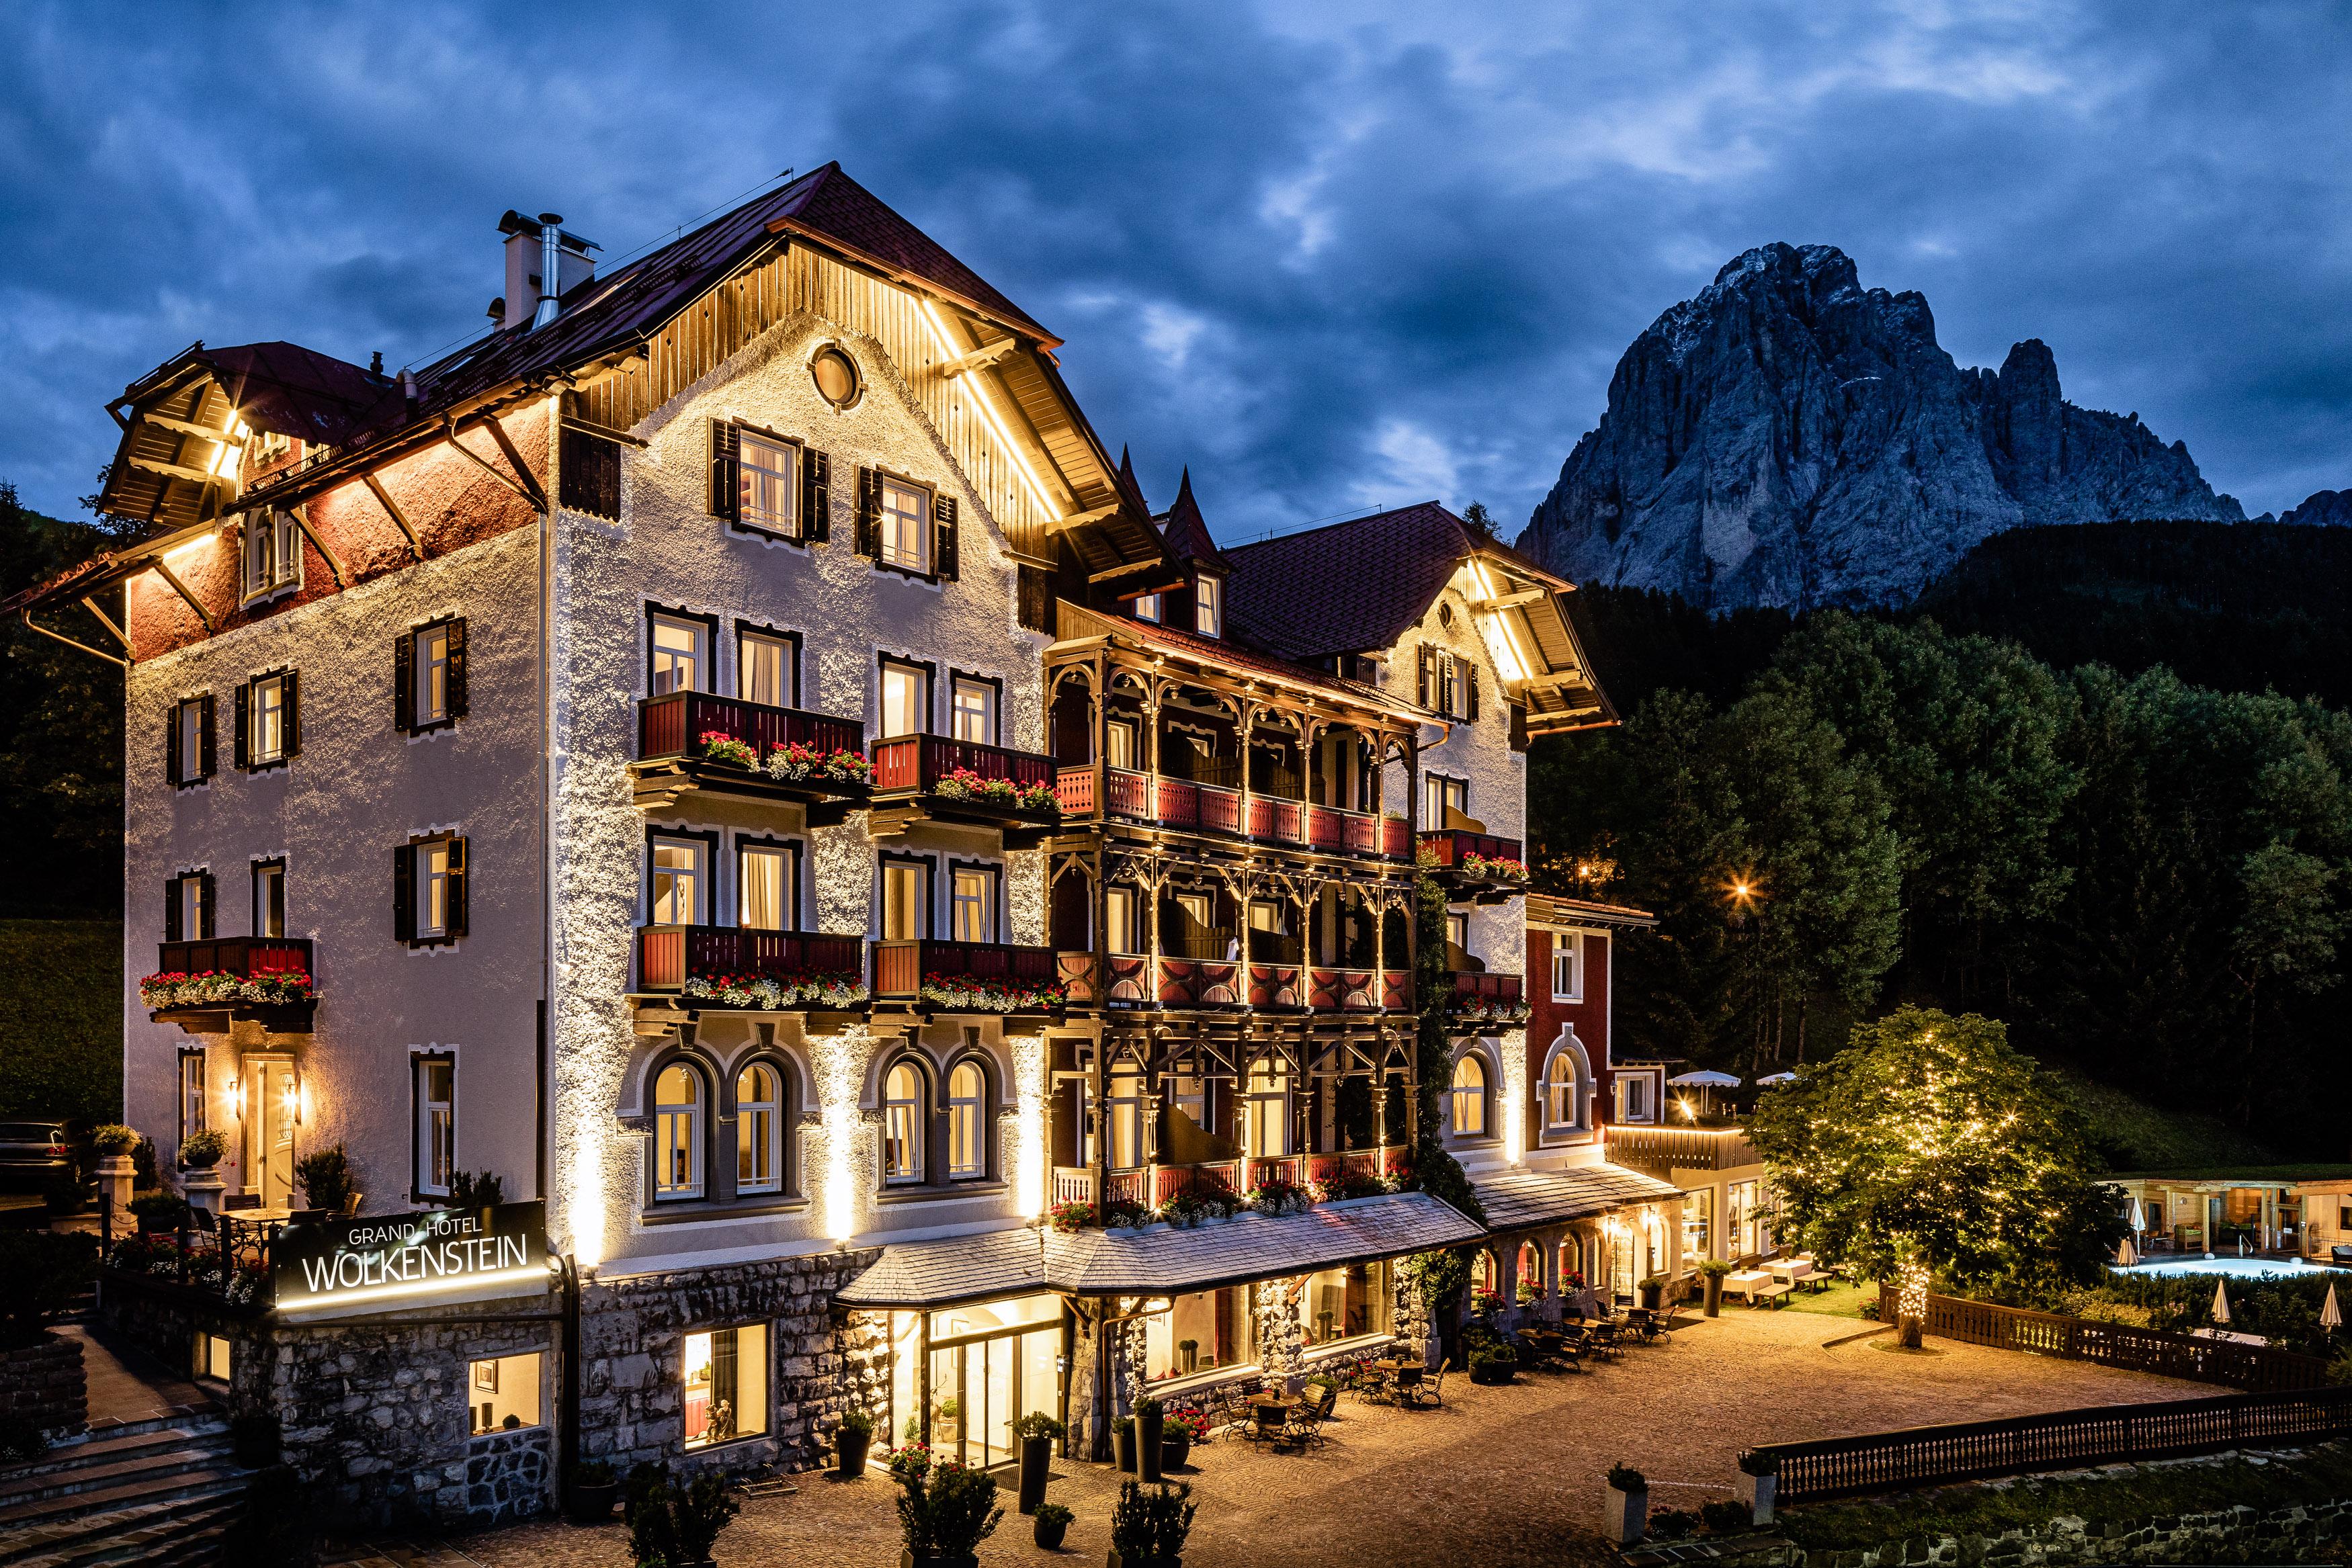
<point x="974" y="994"/>
<point x="219" y="989"/>
<point x="791" y="762"/>
<point x="776" y="993"/>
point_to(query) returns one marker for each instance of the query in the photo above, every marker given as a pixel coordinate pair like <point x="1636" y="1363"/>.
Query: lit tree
<point x="1929" y="1145"/>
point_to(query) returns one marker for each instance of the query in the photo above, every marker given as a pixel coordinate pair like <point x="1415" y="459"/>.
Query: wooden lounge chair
<point x="1433" y="1391"/>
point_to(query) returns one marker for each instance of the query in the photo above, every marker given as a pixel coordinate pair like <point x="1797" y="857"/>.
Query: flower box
<point x="219" y="989"/>
<point x="778" y="993"/>
<point x="979" y="994"/>
<point x="963" y="784"/>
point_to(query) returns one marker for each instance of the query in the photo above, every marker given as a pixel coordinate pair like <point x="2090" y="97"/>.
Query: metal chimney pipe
<point x="550" y="262"/>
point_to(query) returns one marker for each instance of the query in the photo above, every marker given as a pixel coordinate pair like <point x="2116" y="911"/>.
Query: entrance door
<point x="271" y="1102"/>
<point x="982" y="1386"/>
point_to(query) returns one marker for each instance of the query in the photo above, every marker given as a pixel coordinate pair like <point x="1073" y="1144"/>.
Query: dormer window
<point x="1209" y="605"/>
<point x="1147" y="608"/>
<point x="273" y="555"/>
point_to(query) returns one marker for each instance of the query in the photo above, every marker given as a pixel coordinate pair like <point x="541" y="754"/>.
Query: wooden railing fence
<point x="2249" y="1366"/>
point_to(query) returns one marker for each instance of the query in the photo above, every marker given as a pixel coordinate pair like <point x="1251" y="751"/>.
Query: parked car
<point x="30" y="1151"/>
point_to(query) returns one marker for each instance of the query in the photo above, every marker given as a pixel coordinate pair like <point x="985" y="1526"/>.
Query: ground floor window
<point x="1740" y="1219"/>
<point x="502" y="1393"/>
<point x="1199" y="1333"/>
<point x="726" y="1385"/>
<point x="1698" y="1225"/>
<point x="961" y="1377"/>
<point x="211" y="1360"/>
<point x="1346" y="1303"/>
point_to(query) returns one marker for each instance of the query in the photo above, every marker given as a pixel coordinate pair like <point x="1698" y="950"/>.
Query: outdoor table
<point x="1746" y="1283"/>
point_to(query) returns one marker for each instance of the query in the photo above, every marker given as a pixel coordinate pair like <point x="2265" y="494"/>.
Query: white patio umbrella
<point x="2139" y="1220"/>
<point x="1706" y="1079"/>
<point x="2124" y="1255"/>
<point x="1770" y="1079"/>
<point x="2331" y="1316"/>
<point x="2221" y="1300"/>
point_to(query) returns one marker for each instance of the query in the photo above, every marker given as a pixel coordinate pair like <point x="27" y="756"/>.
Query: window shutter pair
<point x="1427" y="664"/>
<point x="725" y="448"/>
<point x="869" y="513"/>
<point x="816" y="496"/>
<point x="456" y="673"/>
<point x="943" y="520"/>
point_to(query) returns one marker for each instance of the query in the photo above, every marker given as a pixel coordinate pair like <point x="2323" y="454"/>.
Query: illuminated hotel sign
<point x="417" y="1259"/>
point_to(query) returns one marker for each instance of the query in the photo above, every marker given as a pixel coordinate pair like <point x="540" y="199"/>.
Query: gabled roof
<point x="1549" y="909"/>
<point x="1209" y="653"/>
<point x="1528" y="1199"/>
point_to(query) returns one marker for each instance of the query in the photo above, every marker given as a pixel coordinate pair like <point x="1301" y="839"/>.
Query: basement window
<point x="726" y="1385"/>
<point x="210" y="1364"/>
<point x="502" y="1394"/>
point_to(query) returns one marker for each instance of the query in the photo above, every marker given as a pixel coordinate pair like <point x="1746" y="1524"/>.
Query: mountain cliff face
<point x="1789" y="438"/>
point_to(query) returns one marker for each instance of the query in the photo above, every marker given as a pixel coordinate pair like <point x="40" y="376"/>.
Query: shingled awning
<point x="1525" y="1200"/>
<point x="1159" y="1260"/>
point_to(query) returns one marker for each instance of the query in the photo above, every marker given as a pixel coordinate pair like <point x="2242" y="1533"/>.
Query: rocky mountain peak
<point x="1789" y="437"/>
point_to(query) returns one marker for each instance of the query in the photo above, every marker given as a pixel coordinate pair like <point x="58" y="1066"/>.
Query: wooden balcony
<point x="1199" y="805"/>
<point x="1478" y="996"/>
<point x="901" y="969"/>
<point x="1656" y="1151"/>
<point x="1333" y="991"/>
<point x="1148" y="1187"/>
<point x="921" y="778"/>
<point x="670" y="956"/>
<point x="1475" y="866"/>
<point x="260" y="958"/>
<point x="674" y="759"/>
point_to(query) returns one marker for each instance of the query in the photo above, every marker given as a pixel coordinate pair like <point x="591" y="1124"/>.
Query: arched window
<point x="678" y="1132"/>
<point x="1269" y="1111"/>
<point x="1563" y="1104"/>
<point x="902" y="1124"/>
<point x="1490" y="1270"/>
<point x="759" y="1129"/>
<point x="967" y="1122"/>
<point x="1470" y="1097"/>
<point x="1530" y="1269"/>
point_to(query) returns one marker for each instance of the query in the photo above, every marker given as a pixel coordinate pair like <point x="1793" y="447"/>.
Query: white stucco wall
<point x="668" y="551"/>
<point x="358" y="788"/>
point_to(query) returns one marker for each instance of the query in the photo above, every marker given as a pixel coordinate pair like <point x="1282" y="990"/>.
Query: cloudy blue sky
<point x="1331" y="255"/>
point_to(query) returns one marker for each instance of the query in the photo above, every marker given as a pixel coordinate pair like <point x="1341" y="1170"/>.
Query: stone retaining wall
<point x="45" y="1382"/>
<point x="2291" y="1534"/>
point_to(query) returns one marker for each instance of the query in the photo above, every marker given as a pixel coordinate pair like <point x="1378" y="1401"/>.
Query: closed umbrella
<point x="2124" y="1255"/>
<point x="2221" y="1300"/>
<point x="2138" y="1221"/>
<point x="2331" y="1316"/>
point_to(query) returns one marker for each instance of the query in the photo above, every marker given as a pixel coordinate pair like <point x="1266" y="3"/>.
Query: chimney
<point x="543" y="264"/>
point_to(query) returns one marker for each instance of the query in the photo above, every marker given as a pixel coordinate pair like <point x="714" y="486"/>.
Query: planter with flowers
<point x="282" y="1000"/>
<point x="791" y="762"/>
<point x="718" y="746"/>
<point x="779" y="993"/>
<point x="982" y="994"/>
<point x="967" y="788"/>
<point x="1276" y="1196"/>
<point x="1493" y="868"/>
<point x="1496" y="1011"/>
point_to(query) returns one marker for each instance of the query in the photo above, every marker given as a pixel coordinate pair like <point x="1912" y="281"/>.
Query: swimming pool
<point x="2235" y="1267"/>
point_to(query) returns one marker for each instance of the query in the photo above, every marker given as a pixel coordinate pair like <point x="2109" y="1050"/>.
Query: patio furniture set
<point x="1771" y="1283"/>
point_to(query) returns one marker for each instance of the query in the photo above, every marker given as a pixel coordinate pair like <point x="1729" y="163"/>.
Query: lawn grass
<point x="1843" y="1299"/>
<point x="2124" y="1495"/>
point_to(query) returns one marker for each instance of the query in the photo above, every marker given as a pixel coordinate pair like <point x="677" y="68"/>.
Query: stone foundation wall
<point x="510" y="1476"/>
<point x="45" y="1382"/>
<point x="633" y="1349"/>
<point x="2293" y="1534"/>
<point x="161" y="1317"/>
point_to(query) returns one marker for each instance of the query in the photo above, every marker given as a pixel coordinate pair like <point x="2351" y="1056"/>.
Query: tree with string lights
<point x="1930" y="1148"/>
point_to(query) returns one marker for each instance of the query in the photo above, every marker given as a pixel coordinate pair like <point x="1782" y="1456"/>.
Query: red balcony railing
<point x="1362" y="1165"/>
<point x="914" y="764"/>
<point x="899" y="966"/>
<point x="674" y="726"/>
<point x="1275" y="986"/>
<point x="1396" y="838"/>
<point x="248" y="958"/>
<point x="1077" y="971"/>
<point x="1197" y="1181"/>
<point x="1482" y="986"/>
<point x="667" y="955"/>
<point x="1199" y="983"/>
<point x="1453" y="848"/>
<point x="1396" y="990"/>
<point x="1075" y="788"/>
<point x="1276" y="820"/>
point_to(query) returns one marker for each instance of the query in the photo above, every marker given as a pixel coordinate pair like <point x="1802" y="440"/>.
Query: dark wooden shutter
<point x="457" y="692"/>
<point x="725" y="496"/>
<point x="816" y="496"/>
<point x="171" y="911"/>
<point x="943" y="517"/>
<point x="1036" y="601"/>
<point x="869" y="514"/>
<point x="289" y="694"/>
<point x="457" y="887"/>
<point x="403" y="893"/>
<point x="1519" y="712"/>
<point x="206" y="760"/>
<point x="404" y="682"/>
<point x="244" y="726"/>
<point x="1428" y="664"/>
<point x="207" y="907"/>
<point x="1474" y="694"/>
<point x="591" y="475"/>
<point x="171" y="743"/>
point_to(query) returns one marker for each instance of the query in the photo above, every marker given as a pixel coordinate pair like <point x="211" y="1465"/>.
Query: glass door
<point x="980" y="1387"/>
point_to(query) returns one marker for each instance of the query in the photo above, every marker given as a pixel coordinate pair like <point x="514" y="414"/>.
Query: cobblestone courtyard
<point x="1498" y="1477"/>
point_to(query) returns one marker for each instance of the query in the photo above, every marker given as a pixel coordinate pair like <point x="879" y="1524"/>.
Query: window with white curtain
<point x="764" y="876"/>
<point x="905" y="699"/>
<point x="681" y="655"/>
<point x="967" y="1122"/>
<point x="1469" y="1094"/>
<point x="678" y="874"/>
<point x="902" y="1124"/>
<point x="678" y="1101"/>
<point x="759" y="1129"/>
<point x="764" y="669"/>
<point x="972" y="905"/>
<point x="768" y="479"/>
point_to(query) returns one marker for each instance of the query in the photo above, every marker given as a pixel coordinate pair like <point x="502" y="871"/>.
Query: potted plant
<point x="1491" y="1362"/>
<point x="328" y="1180"/>
<point x="159" y="1213"/>
<point x="595" y="1486"/>
<point x="674" y="1524"/>
<point x="853" y="1439"/>
<point x="1053" y="1522"/>
<point x="1150" y="1424"/>
<point x="945" y="1510"/>
<point x="1652" y="1289"/>
<point x="1625" y="1505"/>
<point x="1191" y="1351"/>
<point x="1122" y="1443"/>
<point x="202" y="1149"/>
<point x="1710" y="1276"/>
<point x="1038" y="1433"/>
<point x="1149" y="1525"/>
<point x="114" y="1140"/>
<point x="1182" y="1427"/>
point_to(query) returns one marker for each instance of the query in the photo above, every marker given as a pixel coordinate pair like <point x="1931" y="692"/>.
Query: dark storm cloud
<point x="1328" y="259"/>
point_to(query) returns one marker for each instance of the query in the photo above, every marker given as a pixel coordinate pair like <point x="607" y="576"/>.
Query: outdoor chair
<point x="1433" y="1391"/>
<point x="1601" y="1340"/>
<point x="1305" y="1426"/>
<point x="1648" y="1327"/>
<point x="1267" y="1423"/>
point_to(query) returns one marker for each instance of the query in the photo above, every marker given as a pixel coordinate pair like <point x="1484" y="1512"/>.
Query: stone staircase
<point x="152" y="1492"/>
